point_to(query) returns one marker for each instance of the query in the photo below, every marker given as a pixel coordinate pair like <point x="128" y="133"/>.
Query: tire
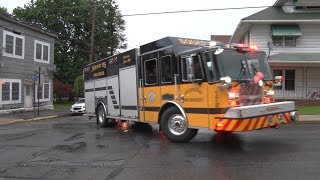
<point x="175" y="127"/>
<point x="102" y="121"/>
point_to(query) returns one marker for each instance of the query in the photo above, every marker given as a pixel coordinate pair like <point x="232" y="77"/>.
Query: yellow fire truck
<point x="185" y="85"/>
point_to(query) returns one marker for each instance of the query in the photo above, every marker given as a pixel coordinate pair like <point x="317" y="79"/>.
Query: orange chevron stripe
<point x="257" y="122"/>
<point x="248" y="125"/>
<point x="276" y="121"/>
<point x="236" y="125"/>
<point x="287" y="120"/>
<point x="266" y="122"/>
<point x="253" y="123"/>
<point x="226" y="124"/>
<point x="242" y="125"/>
<point x="231" y="125"/>
<point x="273" y="121"/>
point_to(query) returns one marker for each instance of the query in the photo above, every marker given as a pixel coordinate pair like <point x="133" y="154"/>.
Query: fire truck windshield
<point x="239" y="66"/>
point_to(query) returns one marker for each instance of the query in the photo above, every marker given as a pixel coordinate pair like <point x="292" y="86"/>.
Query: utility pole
<point x="39" y="89"/>
<point x="92" y="32"/>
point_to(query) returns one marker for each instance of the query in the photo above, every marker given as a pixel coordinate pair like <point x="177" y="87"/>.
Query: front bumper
<point x="248" y="118"/>
<point x="260" y="110"/>
<point x="77" y="110"/>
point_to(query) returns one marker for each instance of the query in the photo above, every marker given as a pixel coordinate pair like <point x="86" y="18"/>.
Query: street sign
<point x="34" y="77"/>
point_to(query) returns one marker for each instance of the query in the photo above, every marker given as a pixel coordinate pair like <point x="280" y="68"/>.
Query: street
<point x="75" y="148"/>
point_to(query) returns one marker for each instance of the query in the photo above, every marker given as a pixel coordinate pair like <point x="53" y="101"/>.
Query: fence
<point x="299" y="92"/>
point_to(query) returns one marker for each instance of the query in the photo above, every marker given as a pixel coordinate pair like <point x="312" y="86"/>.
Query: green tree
<point x="3" y="10"/>
<point x="79" y="86"/>
<point x="71" y="20"/>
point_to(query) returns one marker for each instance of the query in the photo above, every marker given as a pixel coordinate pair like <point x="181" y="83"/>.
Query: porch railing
<point x="299" y="92"/>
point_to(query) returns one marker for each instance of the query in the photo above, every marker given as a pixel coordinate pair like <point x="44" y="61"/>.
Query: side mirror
<point x="199" y="81"/>
<point x="225" y="83"/>
<point x="277" y="81"/>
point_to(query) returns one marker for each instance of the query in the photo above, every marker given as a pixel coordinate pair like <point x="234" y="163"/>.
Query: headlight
<point x="233" y="95"/>
<point x="269" y="93"/>
<point x="226" y="79"/>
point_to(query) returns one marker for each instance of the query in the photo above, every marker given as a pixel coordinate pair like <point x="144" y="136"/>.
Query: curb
<point x="308" y="122"/>
<point x="34" y="119"/>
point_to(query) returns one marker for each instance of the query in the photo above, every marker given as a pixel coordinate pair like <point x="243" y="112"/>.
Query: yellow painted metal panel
<point x="198" y="120"/>
<point x="151" y="116"/>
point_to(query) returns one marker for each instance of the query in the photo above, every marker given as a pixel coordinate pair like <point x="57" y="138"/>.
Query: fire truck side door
<point x="194" y="91"/>
<point x="150" y="91"/>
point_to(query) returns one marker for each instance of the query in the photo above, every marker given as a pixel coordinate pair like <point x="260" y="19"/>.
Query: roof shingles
<point x="276" y="13"/>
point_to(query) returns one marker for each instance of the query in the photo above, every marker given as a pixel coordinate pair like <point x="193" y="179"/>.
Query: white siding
<point x="313" y="78"/>
<point x="260" y="36"/>
<point x="308" y="42"/>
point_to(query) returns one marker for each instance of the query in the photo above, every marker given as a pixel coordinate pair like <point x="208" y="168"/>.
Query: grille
<point x="250" y="94"/>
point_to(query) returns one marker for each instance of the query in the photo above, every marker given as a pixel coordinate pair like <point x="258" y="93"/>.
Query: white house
<point x="289" y="32"/>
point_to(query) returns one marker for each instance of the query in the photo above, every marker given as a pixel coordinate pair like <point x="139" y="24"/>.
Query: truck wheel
<point x="175" y="127"/>
<point x="102" y="120"/>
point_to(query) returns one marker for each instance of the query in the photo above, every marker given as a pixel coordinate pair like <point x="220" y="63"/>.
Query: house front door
<point x="27" y="96"/>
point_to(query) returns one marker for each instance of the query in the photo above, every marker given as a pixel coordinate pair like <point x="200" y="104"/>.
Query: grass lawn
<point x="62" y="105"/>
<point x="309" y="110"/>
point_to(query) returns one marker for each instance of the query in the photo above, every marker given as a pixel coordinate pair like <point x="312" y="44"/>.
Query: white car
<point x="78" y="107"/>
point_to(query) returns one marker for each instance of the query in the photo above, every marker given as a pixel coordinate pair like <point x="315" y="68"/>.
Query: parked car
<point x="79" y="106"/>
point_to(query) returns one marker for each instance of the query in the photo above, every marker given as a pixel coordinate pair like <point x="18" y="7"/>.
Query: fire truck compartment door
<point x="260" y="110"/>
<point x="113" y="96"/>
<point x="89" y="96"/>
<point x="128" y="92"/>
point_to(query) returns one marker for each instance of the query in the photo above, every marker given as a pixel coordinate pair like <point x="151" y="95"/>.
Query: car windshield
<point x="237" y="65"/>
<point x="80" y="101"/>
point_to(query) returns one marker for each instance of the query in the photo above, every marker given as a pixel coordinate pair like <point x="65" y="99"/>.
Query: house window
<point x="15" y="93"/>
<point x="289" y="41"/>
<point x="277" y="72"/>
<point x="43" y="92"/>
<point x="46" y="89"/>
<point x="6" y="91"/>
<point x="289" y="79"/>
<point x="40" y="92"/>
<point x="10" y="91"/>
<point x="13" y="45"/>
<point x="41" y="52"/>
<point x="277" y="40"/>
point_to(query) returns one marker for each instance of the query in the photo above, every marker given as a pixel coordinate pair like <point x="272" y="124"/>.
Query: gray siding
<point x="23" y="68"/>
<point x="308" y="42"/>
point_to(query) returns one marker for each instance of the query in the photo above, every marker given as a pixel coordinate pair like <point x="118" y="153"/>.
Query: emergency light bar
<point x="242" y="47"/>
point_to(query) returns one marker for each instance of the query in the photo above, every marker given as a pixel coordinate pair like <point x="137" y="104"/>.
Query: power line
<point x="165" y="12"/>
<point x="195" y="10"/>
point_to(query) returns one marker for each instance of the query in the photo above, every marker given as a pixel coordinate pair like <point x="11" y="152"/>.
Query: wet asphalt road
<point x="75" y="148"/>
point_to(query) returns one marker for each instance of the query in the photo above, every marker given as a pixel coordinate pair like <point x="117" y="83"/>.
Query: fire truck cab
<point x="185" y="85"/>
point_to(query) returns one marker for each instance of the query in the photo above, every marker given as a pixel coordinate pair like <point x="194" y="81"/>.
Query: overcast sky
<point x="198" y="25"/>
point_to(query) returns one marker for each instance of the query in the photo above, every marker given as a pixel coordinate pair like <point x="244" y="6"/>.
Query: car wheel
<point x="175" y="126"/>
<point x="102" y="120"/>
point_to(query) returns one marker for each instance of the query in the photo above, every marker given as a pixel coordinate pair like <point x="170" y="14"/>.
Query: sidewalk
<point x="309" y="118"/>
<point x="29" y="116"/>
